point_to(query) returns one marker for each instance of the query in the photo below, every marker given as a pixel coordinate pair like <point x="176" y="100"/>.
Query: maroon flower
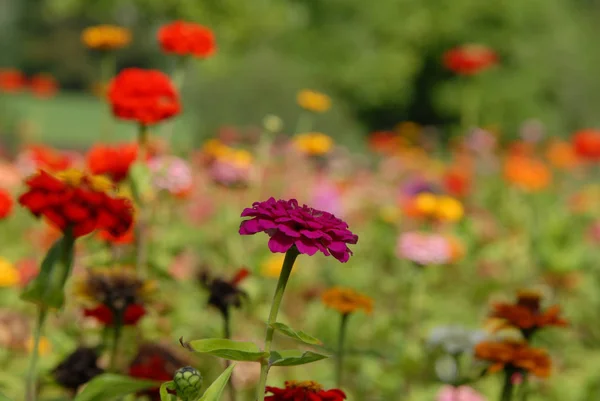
<point x="303" y="391"/>
<point x="289" y="224"/>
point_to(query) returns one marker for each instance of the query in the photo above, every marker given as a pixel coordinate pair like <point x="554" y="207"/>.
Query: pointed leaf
<point x="215" y="390"/>
<point x="164" y="394"/>
<point x="108" y="385"/>
<point x="296" y="334"/>
<point x="227" y="349"/>
<point x="294" y="357"/>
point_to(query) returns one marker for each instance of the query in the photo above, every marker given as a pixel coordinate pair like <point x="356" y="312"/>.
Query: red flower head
<point x="289" y="224"/>
<point x="46" y="158"/>
<point x="43" y="85"/>
<point x="127" y="238"/>
<point x="103" y="314"/>
<point x="11" y="81"/>
<point x="72" y="199"/>
<point x="187" y="39"/>
<point x="145" y="96"/>
<point x="469" y="59"/>
<point x="304" y="391"/>
<point x="587" y="144"/>
<point x="6" y="204"/>
<point x="154" y="362"/>
<point x="113" y="161"/>
<point x="457" y="182"/>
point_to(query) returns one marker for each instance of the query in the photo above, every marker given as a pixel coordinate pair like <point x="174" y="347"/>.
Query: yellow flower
<point x="314" y="101"/>
<point x="389" y="214"/>
<point x="44" y="347"/>
<point x="426" y="203"/>
<point x="106" y="37"/>
<point x="313" y="143"/>
<point x="449" y="209"/>
<point x="9" y="275"/>
<point x="271" y="267"/>
<point x="215" y="148"/>
<point x="346" y="300"/>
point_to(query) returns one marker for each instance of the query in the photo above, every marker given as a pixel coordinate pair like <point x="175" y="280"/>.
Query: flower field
<point x="280" y="263"/>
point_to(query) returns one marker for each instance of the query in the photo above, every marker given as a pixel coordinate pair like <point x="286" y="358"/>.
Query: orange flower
<point x="527" y="173"/>
<point x="47" y="158"/>
<point x="457" y="182"/>
<point x="6" y="204"/>
<point x="521" y="148"/>
<point x="469" y="59"/>
<point x="346" y="300"/>
<point x="113" y="161"/>
<point x="11" y="80"/>
<point x="527" y="315"/>
<point x="587" y="144"/>
<point x="562" y="155"/>
<point x="514" y="355"/>
<point x="43" y="85"/>
<point x="77" y="201"/>
<point x="187" y="39"/>
<point x="106" y="37"/>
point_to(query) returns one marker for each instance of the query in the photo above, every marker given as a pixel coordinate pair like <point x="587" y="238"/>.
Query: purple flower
<point x="289" y="224"/>
<point x="423" y="248"/>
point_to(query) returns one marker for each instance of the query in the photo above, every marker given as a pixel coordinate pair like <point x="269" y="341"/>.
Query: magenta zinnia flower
<point x="289" y="224"/>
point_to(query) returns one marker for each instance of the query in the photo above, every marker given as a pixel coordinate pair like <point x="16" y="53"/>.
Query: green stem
<point x="340" y="351"/>
<point x="507" y="387"/>
<point x="140" y="228"/>
<point x="470" y="106"/>
<point x="114" y="350"/>
<point x="177" y="77"/>
<point x="31" y="386"/>
<point x="286" y="270"/>
<point x="227" y="333"/>
<point x="524" y="388"/>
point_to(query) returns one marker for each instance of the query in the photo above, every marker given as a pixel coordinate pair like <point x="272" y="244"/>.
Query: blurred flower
<point x="14" y="330"/>
<point x="346" y="300"/>
<point x="224" y="294"/>
<point x="145" y="96"/>
<point x="6" y="204"/>
<point x="455" y="340"/>
<point x="171" y="174"/>
<point x="113" y="293"/>
<point x="532" y="131"/>
<point x="271" y="267"/>
<point x="11" y="80"/>
<point x="327" y="196"/>
<point x="457" y="248"/>
<point x="187" y="39"/>
<point x="457" y="182"/>
<point x="124" y="239"/>
<point x="28" y="270"/>
<point x="76" y="369"/>
<point x="587" y="144"/>
<point x="313" y="101"/>
<point x="42" y="157"/>
<point x="106" y="37"/>
<point x="562" y="155"/>
<point x="303" y="390"/>
<point x="460" y="393"/>
<point x="527" y="173"/>
<point x="43" y="85"/>
<point x="289" y="224"/>
<point x="469" y="59"/>
<point x="384" y="142"/>
<point x="313" y="143"/>
<point x="44" y="347"/>
<point x="419" y="186"/>
<point x="448" y="209"/>
<point x="272" y="123"/>
<point x="409" y="130"/>
<point x="232" y="168"/>
<point x="526" y="314"/>
<point x="75" y="200"/>
<point x="423" y="248"/>
<point x="113" y="160"/>
<point x="9" y="275"/>
<point x="481" y="141"/>
<point x="514" y="355"/>
<point x="154" y="362"/>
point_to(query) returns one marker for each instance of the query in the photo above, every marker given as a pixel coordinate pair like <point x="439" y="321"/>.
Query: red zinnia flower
<point x="43" y="85"/>
<point x="187" y="39"/>
<point x="103" y="314"/>
<point x="154" y="362"/>
<point x="469" y="59"/>
<point x="587" y="144"/>
<point x="6" y="203"/>
<point x="127" y="238"/>
<point x="113" y="161"/>
<point x="145" y="96"/>
<point x="11" y="81"/>
<point x="289" y="224"/>
<point x="45" y="158"/>
<point x="72" y="199"/>
<point x="303" y="391"/>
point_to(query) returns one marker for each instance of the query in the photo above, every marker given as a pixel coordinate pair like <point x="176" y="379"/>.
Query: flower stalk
<point x="116" y="338"/>
<point x="31" y="386"/>
<point x="507" y="387"/>
<point x="340" y="351"/>
<point x="140" y="228"/>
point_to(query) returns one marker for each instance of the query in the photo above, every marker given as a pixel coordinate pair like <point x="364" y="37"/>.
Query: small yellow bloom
<point x="106" y="37"/>
<point x="346" y="300"/>
<point x="9" y="275"/>
<point x="271" y="267"/>
<point x="314" y="101"/>
<point x="215" y="148"/>
<point x="44" y="346"/>
<point x="426" y="203"/>
<point x="313" y="143"/>
<point x="449" y="209"/>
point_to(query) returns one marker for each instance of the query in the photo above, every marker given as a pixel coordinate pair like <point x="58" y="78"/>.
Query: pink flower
<point x="289" y="224"/>
<point x="462" y="393"/>
<point x="423" y="248"/>
<point x="326" y="196"/>
<point x="229" y="174"/>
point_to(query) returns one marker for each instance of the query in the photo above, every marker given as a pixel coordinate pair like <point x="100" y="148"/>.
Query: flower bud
<point x="188" y="382"/>
<point x="272" y="123"/>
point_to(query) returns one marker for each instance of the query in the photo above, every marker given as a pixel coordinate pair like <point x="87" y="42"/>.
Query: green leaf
<point x="296" y="334"/>
<point x="227" y="349"/>
<point x="47" y="289"/>
<point x="108" y="385"/>
<point x="215" y="390"/>
<point x="294" y="357"/>
<point x="164" y="394"/>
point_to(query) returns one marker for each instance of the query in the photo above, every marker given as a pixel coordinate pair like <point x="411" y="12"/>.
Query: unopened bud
<point x="272" y="123"/>
<point x="188" y="382"/>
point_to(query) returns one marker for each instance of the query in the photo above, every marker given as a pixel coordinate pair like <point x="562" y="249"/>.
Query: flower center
<point x="530" y="300"/>
<point x="308" y="385"/>
<point x="71" y="177"/>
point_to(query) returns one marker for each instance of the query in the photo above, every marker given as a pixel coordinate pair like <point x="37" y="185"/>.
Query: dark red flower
<point x="224" y="294"/>
<point x="303" y="391"/>
<point x="156" y="363"/>
<point x="78" y="201"/>
<point x="469" y="59"/>
<point x="289" y="224"/>
<point x="103" y="314"/>
<point x="113" y="160"/>
<point x="127" y="238"/>
<point x="43" y="85"/>
<point x="587" y="144"/>
<point x="145" y="96"/>
<point x="187" y="39"/>
<point x="11" y="80"/>
<point x="6" y="204"/>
